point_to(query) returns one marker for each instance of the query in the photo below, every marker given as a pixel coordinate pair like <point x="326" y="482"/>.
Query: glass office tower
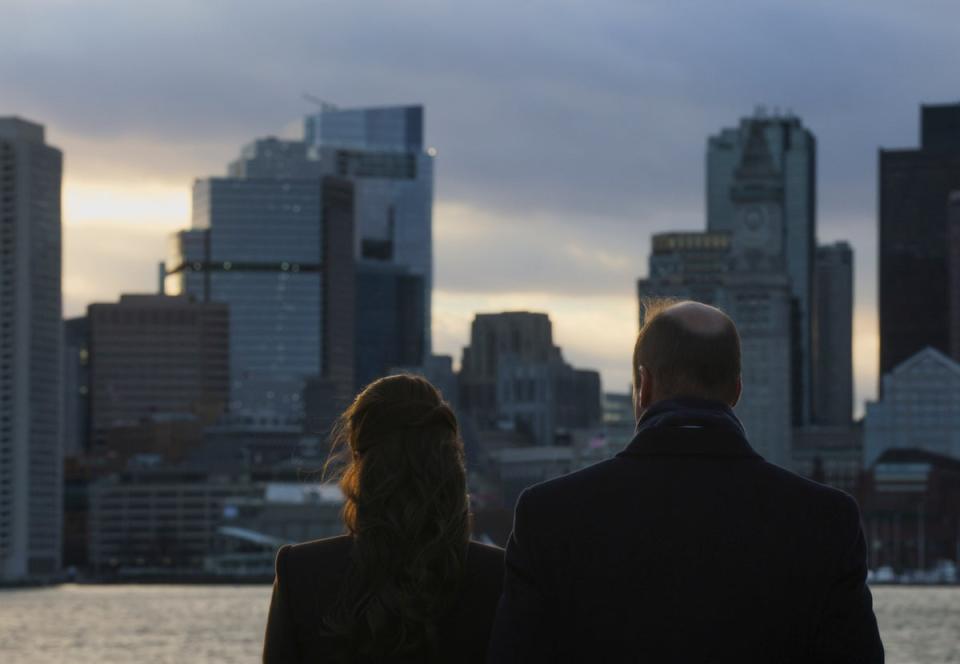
<point x="381" y="151"/>
<point x="278" y="252"/>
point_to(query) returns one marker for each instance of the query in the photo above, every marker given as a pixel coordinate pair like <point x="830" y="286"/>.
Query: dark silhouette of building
<point x="833" y="336"/>
<point x="512" y="375"/>
<point x="389" y="320"/>
<point x="953" y="220"/>
<point x="914" y="188"/>
<point x="156" y="355"/>
<point x="911" y="509"/>
<point x="76" y="386"/>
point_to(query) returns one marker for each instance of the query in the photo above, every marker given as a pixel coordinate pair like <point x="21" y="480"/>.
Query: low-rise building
<point x="919" y="407"/>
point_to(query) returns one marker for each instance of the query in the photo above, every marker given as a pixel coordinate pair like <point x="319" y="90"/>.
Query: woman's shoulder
<point x="313" y="555"/>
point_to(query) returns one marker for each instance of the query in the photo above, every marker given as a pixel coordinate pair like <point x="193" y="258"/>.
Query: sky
<point x="567" y="132"/>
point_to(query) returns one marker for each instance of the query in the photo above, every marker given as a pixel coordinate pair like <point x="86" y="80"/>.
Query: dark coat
<point x="308" y="581"/>
<point x="687" y="547"/>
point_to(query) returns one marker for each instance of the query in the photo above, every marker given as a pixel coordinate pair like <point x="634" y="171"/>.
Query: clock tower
<point x="757" y="198"/>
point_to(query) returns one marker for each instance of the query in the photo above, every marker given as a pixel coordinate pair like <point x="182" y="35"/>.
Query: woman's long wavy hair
<point x="404" y="483"/>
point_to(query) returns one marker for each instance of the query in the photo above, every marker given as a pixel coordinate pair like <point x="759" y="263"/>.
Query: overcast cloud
<point x="567" y="132"/>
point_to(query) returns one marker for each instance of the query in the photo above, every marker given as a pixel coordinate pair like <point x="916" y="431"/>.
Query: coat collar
<point x="687" y="426"/>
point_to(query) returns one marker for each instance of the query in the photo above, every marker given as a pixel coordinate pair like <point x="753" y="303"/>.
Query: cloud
<point x="567" y="132"/>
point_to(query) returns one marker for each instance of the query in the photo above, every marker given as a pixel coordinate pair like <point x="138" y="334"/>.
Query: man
<point x="687" y="546"/>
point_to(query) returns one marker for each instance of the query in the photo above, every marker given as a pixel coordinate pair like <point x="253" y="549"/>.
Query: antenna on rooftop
<point x="321" y="103"/>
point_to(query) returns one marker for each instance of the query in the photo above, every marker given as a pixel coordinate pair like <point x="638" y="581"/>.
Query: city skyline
<point x="598" y="140"/>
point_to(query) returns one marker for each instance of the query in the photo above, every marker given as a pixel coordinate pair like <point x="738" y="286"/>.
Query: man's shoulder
<point x="569" y="486"/>
<point x="811" y="492"/>
<point x="766" y="477"/>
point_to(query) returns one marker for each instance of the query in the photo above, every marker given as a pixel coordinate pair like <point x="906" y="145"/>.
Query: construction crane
<point x="324" y="105"/>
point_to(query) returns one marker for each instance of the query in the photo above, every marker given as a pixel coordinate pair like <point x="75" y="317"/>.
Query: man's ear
<point x="736" y="397"/>
<point x="642" y="392"/>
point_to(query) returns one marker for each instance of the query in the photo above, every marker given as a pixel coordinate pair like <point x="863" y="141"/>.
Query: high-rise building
<point x="953" y="269"/>
<point x="915" y="185"/>
<point x="743" y="270"/>
<point x="389" y="320"/>
<point x="156" y="355"/>
<point x="31" y="333"/>
<point x="790" y="157"/>
<point x="279" y="251"/>
<point x="381" y="151"/>
<point x="513" y="375"/>
<point x="704" y="267"/>
<point x="833" y="336"/>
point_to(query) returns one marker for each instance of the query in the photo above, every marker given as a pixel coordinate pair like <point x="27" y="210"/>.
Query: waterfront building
<point x="915" y="185"/>
<point x="31" y="334"/>
<point x="833" y="336"/>
<point x="910" y="504"/>
<point x="156" y="356"/>
<point x="512" y="375"/>
<point x="790" y="162"/>
<point x="830" y="455"/>
<point x="157" y="521"/>
<point x="919" y="407"/>
<point x="381" y="151"/>
<point x="279" y="252"/>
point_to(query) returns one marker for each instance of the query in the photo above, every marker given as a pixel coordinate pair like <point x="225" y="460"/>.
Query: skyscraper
<point x="389" y="320"/>
<point x="915" y="184"/>
<point x="31" y="460"/>
<point x="833" y="336"/>
<point x="792" y="154"/>
<point x="743" y="269"/>
<point x="381" y="151"/>
<point x="953" y="262"/>
<point x="278" y="249"/>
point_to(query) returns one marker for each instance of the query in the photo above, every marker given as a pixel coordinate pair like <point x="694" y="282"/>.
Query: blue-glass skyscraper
<point x="274" y="243"/>
<point x="381" y="151"/>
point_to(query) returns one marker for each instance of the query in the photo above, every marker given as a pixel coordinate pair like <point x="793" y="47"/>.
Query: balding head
<point x="686" y="349"/>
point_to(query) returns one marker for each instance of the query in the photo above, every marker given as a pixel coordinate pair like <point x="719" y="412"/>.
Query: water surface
<point x="224" y="624"/>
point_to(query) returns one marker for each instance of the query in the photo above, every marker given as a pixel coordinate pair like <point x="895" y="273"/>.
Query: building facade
<point x="381" y="151"/>
<point x="155" y="355"/>
<point x="31" y="334"/>
<point x="833" y="336"/>
<point x="278" y="252"/>
<point x="76" y="386"/>
<point x="788" y="151"/>
<point x="512" y="375"/>
<point x="389" y="320"/>
<point x="953" y="270"/>
<point x="919" y="407"/>
<point x="914" y="190"/>
<point x="744" y="272"/>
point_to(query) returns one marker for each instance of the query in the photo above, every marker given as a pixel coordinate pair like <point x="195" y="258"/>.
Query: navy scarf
<point x="690" y="412"/>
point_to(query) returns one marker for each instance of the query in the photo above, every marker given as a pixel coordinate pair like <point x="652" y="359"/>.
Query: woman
<point x="405" y="584"/>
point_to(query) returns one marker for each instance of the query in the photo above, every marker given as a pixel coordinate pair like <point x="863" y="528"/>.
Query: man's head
<point x="685" y="349"/>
